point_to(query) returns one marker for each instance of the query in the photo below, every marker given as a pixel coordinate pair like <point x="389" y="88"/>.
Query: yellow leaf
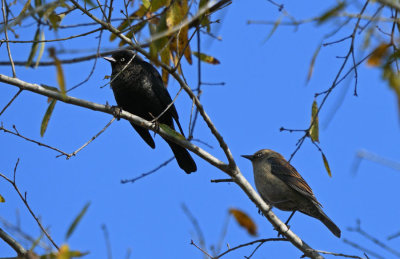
<point x="314" y="130"/>
<point x="46" y="117"/>
<point x="206" y="58"/>
<point x="63" y="253"/>
<point x="245" y="221"/>
<point x="60" y="73"/>
<point x="326" y="165"/>
<point x="378" y="54"/>
<point x="2" y="199"/>
<point x="184" y="44"/>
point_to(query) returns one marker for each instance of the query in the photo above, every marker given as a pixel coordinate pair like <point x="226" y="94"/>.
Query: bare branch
<point x="25" y="201"/>
<point x="13" y="243"/>
<point x="10" y="102"/>
<point x="16" y="133"/>
<point x="5" y="18"/>
<point x="148" y="173"/>
<point x="261" y="241"/>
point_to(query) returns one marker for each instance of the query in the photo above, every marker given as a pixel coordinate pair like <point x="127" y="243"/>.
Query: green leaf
<point x="76" y="221"/>
<point x="42" y="44"/>
<point x="331" y="12"/>
<point x="170" y="131"/>
<point x="90" y="2"/>
<point x="312" y="63"/>
<point x="206" y="58"/>
<point x="55" y="20"/>
<point x="22" y="13"/>
<point x="2" y="199"/>
<point x="314" y="130"/>
<point x="34" y="48"/>
<point x="47" y="116"/>
<point x="36" y="241"/>
<point x="326" y="165"/>
<point x="155" y="5"/>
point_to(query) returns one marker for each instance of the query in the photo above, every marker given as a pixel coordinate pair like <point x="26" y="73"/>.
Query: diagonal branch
<point x="233" y="172"/>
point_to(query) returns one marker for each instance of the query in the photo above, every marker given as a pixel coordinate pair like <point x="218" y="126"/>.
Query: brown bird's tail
<point x="184" y="159"/>
<point x="329" y="223"/>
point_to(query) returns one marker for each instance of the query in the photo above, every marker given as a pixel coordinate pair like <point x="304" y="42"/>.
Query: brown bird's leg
<point x="287" y="221"/>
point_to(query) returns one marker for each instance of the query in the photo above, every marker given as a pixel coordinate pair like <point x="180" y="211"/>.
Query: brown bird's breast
<point x="275" y="192"/>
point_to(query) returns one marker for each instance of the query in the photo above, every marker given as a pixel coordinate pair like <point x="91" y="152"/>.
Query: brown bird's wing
<point x="288" y="174"/>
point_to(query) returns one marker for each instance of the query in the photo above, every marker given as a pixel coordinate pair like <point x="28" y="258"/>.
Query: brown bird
<point x="281" y="186"/>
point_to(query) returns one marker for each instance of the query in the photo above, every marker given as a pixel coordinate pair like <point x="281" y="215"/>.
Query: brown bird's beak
<point x="249" y="157"/>
<point x="110" y="59"/>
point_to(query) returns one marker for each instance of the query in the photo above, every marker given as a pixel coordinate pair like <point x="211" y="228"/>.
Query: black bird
<point x="138" y="88"/>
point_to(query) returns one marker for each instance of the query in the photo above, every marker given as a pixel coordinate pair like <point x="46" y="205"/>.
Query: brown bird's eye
<point x="258" y="155"/>
<point x="122" y="59"/>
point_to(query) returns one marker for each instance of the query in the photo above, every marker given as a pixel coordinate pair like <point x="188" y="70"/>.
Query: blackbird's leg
<point x="116" y="111"/>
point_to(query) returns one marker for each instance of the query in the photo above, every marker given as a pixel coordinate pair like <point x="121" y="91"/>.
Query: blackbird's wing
<point x="161" y="91"/>
<point x="288" y="174"/>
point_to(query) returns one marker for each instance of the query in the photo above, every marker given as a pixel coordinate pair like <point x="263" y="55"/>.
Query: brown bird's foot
<point x="116" y="111"/>
<point x="280" y="233"/>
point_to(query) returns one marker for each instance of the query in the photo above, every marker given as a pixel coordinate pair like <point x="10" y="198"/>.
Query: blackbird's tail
<point x="184" y="159"/>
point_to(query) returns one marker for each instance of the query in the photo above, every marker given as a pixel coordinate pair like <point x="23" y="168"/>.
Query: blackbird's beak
<point x="110" y="59"/>
<point x="249" y="157"/>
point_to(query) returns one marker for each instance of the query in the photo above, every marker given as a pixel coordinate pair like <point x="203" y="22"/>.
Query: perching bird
<point x="139" y="89"/>
<point x="281" y="186"/>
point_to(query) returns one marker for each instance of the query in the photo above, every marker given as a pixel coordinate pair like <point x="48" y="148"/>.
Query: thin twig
<point x="54" y="40"/>
<point x="107" y="239"/>
<point x="356" y="246"/>
<point x="204" y="252"/>
<point x="148" y="173"/>
<point x="261" y="241"/>
<point x="25" y="201"/>
<point x="16" y="133"/>
<point x="379" y="243"/>
<point x="222" y="180"/>
<point x="5" y="18"/>
<point x="87" y="143"/>
<point x="339" y="254"/>
<point x="10" y="102"/>
<point x="195" y="224"/>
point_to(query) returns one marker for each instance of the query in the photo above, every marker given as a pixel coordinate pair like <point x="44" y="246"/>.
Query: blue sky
<point x="265" y="89"/>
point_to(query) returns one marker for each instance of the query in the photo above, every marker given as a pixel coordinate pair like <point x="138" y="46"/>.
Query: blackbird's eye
<point x="122" y="59"/>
